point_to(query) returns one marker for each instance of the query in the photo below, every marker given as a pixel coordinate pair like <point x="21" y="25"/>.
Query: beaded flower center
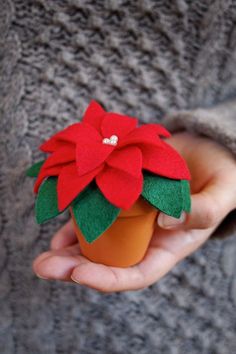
<point x="113" y="140"/>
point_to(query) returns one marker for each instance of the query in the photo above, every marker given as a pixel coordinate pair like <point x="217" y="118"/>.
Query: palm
<point x="166" y="248"/>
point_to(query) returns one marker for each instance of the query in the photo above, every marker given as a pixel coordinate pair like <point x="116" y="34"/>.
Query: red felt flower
<point x="112" y="149"/>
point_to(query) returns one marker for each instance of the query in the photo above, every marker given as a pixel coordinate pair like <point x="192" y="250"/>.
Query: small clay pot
<point x="126" y="241"/>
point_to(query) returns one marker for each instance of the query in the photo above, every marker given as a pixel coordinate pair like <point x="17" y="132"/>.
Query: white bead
<point x="113" y="140"/>
<point x="106" y="141"/>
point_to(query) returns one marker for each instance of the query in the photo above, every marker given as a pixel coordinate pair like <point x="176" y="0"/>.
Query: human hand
<point x="213" y="196"/>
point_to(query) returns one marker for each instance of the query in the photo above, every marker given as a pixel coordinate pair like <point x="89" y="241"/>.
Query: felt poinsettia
<point x="102" y="165"/>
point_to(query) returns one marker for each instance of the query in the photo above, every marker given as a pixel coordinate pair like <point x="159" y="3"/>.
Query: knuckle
<point x="211" y="215"/>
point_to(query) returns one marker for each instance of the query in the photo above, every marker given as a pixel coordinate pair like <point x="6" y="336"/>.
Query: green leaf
<point x="163" y="193"/>
<point x="93" y="213"/>
<point x="46" y="206"/>
<point x="33" y="171"/>
<point x="186" y="195"/>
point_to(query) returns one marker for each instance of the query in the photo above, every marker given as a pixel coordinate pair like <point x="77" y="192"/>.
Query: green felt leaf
<point x="163" y="193"/>
<point x="46" y="202"/>
<point x="33" y="171"/>
<point x="186" y="195"/>
<point x="93" y="213"/>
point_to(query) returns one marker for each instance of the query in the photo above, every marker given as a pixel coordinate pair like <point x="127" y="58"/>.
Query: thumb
<point x="209" y="208"/>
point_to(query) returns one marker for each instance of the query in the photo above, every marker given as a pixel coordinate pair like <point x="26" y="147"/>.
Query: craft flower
<point x="113" y="149"/>
<point x="114" y="152"/>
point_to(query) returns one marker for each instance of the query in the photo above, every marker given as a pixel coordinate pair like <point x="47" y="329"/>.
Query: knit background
<point x="142" y="58"/>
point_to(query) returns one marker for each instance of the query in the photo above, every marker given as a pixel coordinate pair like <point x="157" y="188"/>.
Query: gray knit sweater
<point x="162" y="61"/>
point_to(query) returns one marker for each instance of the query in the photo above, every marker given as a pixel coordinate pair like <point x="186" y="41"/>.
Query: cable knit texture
<point x="143" y="58"/>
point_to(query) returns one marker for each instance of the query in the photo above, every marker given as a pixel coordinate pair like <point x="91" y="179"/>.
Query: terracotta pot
<point x="126" y="241"/>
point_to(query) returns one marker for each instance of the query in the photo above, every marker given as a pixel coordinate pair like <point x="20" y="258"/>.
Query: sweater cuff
<point x="218" y="123"/>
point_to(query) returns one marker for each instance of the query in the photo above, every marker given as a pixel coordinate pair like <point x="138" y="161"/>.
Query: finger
<point x="68" y="265"/>
<point x="209" y="208"/>
<point x="211" y="205"/>
<point x="167" y="249"/>
<point x="58" y="267"/>
<point x="42" y="264"/>
<point x="64" y="237"/>
<point x="72" y="250"/>
<point x="107" y="279"/>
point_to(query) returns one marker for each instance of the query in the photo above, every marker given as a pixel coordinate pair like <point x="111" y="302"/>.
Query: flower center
<point x="113" y="140"/>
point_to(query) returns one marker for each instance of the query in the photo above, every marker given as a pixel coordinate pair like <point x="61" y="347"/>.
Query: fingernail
<point x="168" y="222"/>
<point x="40" y="276"/>
<point x="75" y="280"/>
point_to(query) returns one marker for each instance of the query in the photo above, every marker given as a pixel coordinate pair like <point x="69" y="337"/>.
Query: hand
<point x="213" y="195"/>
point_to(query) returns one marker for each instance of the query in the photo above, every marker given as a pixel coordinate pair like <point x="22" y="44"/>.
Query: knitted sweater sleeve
<point x="218" y="123"/>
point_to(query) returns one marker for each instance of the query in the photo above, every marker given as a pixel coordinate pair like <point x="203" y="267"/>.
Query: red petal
<point x="120" y="188"/>
<point x="128" y="159"/>
<point x="54" y="163"/>
<point x="47" y="172"/>
<point x="117" y="124"/>
<point x="75" y="133"/>
<point x="90" y="155"/>
<point x="70" y="184"/>
<point x="165" y="161"/>
<point x="94" y="114"/>
<point x="61" y="156"/>
<point x="53" y="144"/>
<point x="148" y="134"/>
